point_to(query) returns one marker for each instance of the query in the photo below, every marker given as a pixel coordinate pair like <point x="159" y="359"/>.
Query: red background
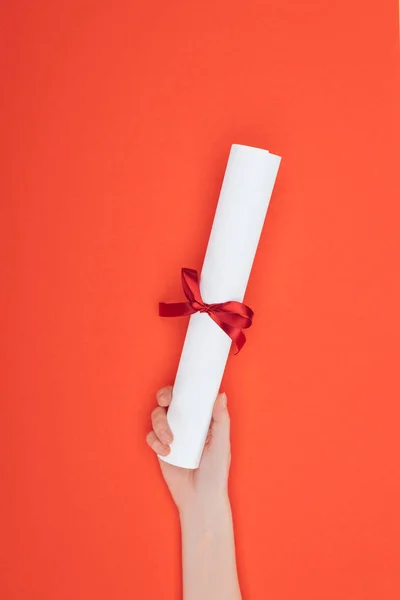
<point x="117" y="123"/>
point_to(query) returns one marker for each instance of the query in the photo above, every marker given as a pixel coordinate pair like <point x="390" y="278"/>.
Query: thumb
<point x="220" y="425"/>
<point x="220" y="410"/>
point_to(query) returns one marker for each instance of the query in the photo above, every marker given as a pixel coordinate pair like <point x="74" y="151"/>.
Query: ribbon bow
<point x="232" y="316"/>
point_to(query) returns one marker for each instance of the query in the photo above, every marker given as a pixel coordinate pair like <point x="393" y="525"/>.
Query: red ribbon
<point x="232" y="316"/>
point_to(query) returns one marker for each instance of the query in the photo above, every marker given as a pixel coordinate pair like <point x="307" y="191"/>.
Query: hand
<point x="201" y="495"/>
<point x="200" y="487"/>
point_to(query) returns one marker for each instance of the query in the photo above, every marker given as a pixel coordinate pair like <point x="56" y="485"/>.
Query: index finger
<point x="164" y="395"/>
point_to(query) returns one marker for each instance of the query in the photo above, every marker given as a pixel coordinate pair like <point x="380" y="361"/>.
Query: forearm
<point x="208" y="552"/>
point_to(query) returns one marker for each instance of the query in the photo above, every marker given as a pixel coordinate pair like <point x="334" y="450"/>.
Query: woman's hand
<point x="208" y="484"/>
<point x="201" y="495"/>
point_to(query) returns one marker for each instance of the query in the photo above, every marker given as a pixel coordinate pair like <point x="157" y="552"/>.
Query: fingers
<point x="161" y="436"/>
<point x="164" y="395"/>
<point x="156" y="445"/>
<point x="160" y="425"/>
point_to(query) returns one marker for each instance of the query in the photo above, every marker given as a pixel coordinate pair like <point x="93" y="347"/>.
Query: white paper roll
<point x="246" y="190"/>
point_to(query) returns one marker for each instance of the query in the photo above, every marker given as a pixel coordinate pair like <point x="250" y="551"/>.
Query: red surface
<point x="118" y="118"/>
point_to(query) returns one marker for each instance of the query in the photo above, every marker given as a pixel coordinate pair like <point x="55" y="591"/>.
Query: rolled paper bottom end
<point x="182" y="463"/>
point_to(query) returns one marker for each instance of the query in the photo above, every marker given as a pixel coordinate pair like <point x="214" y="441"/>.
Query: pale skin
<point x="201" y="496"/>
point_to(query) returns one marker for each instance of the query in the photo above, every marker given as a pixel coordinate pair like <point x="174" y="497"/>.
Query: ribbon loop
<point x="231" y="316"/>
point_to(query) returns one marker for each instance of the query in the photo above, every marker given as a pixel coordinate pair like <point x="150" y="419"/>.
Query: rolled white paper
<point x="246" y="190"/>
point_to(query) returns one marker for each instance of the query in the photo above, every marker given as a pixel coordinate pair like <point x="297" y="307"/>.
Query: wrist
<point x="205" y="512"/>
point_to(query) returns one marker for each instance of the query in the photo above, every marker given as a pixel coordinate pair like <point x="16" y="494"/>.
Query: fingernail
<point x="224" y="400"/>
<point x="165" y="437"/>
<point x="161" y="396"/>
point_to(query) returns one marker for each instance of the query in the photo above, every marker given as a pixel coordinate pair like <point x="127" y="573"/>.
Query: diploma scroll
<point x="245" y="194"/>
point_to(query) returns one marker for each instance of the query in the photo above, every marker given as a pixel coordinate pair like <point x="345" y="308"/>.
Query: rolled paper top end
<point x="245" y="147"/>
